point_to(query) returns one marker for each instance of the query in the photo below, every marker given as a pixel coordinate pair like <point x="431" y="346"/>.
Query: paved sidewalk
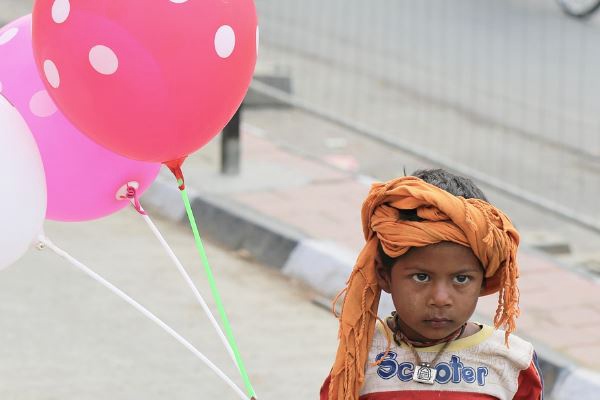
<point x="302" y="214"/>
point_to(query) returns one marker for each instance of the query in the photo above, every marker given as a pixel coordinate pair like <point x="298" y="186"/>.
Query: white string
<point x="189" y="281"/>
<point x="47" y="243"/>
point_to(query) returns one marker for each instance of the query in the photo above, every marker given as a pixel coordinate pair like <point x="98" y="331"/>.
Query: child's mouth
<point x="438" y="322"/>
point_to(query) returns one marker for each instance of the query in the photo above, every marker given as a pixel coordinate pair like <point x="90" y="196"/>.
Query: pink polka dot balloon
<point x="83" y="179"/>
<point x="153" y="80"/>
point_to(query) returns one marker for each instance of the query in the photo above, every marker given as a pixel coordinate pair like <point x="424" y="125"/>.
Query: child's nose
<point x="440" y="295"/>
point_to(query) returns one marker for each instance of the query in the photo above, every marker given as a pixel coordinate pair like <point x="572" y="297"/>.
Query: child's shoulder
<point x="518" y="350"/>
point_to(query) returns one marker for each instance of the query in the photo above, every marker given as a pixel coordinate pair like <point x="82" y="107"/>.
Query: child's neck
<point x="471" y="329"/>
<point x="395" y="324"/>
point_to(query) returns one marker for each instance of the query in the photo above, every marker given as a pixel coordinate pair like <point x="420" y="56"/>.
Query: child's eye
<point x="462" y="279"/>
<point x="421" y="277"/>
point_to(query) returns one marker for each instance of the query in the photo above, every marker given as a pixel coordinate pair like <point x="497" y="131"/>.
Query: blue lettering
<point x="444" y="373"/>
<point x="388" y="367"/>
<point x="468" y="374"/>
<point x="456" y="366"/>
<point x="482" y="372"/>
<point x="454" y="370"/>
<point x="405" y="371"/>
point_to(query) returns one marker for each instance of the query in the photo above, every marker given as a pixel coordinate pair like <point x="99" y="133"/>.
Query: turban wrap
<point x="444" y="217"/>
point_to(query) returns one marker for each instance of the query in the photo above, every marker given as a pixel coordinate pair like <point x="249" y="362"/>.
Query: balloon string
<point x="45" y="242"/>
<point x="215" y="292"/>
<point x="135" y="201"/>
<point x="190" y="283"/>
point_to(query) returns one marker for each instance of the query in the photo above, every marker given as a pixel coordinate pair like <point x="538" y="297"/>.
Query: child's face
<point x="435" y="289"/>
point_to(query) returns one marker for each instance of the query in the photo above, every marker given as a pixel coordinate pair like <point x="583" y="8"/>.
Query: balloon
<point x="23" y="190"/>
<point x="151" y="80"/>
<point x="82" y="177"/>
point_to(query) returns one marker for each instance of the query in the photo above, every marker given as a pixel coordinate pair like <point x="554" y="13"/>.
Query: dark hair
<point x="451" y="183"/>
<point x="455" y="184"/>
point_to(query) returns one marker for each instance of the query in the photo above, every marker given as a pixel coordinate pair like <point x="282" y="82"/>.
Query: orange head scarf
<point x="468" y="222"/>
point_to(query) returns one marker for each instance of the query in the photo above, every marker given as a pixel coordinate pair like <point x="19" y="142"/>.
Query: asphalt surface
<point x="64" y="336"/>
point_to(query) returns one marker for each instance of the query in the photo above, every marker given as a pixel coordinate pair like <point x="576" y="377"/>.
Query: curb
<point x="324" y="266"/>
<point x="577" y="384"/>
<point x="229" y="225"/>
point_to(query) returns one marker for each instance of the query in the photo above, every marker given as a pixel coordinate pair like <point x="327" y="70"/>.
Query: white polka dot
<point x="8" y="35"/>
<point x="224" y="41"/>
<point x="52" y="75"/>
<point x="60" y="11"/>
<point x="257" y="39"/>
<point x="178" y="1"/>
<point x="104" y="60"/>
<point x="0" y="86"/>
<point x="41" y="104"/>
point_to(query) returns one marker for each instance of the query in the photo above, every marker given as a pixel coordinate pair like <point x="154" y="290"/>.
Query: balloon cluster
<point x="96" y="94"/>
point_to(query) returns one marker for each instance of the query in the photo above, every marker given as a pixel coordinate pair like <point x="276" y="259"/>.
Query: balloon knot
<point x="175" y="167"/>
<point x="135" y="201"/>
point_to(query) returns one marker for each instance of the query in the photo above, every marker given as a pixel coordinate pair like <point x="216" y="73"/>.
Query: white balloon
<point x="22" y="186"/>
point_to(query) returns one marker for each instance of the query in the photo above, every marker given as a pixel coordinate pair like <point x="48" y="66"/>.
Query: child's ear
<point x="384" y="276"/>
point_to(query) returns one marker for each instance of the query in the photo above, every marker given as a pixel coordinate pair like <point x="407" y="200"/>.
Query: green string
<point x="216" y="295"/>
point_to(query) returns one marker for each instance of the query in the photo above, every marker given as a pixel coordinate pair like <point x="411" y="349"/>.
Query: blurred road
<point x="507" y="88"/>
<point x="12" y="9"/>
<point x="64" y="336"/>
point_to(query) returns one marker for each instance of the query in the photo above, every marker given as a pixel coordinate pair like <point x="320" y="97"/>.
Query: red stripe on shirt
<point x="426" y="395"/>
<point x="412" y="394"/>
<point x="530" y="384"/>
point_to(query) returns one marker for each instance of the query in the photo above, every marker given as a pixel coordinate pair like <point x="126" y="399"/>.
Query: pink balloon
<point x="82" y="177"/>
<point x="153" y="80"/>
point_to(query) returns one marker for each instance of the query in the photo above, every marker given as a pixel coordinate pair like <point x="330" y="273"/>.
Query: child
<point x="436" y="245"/>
